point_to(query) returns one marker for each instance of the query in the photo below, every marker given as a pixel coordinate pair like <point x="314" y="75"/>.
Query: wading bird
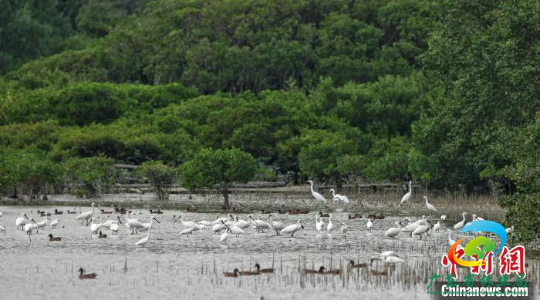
<point x="291" y="229"/>
<point x="343" y="229"/>
<point x="142" y="242"/>
<point x="318" y="225"/>
<point x="459" y="225"/>
<point x="21" y="221"/>
<point x="369" y="224"/>
<point x="316" y="195"/>
<point x="393" y="232"/>
<point x="429" y="206"/>
<point x="407" y="196"/>
<point x="86" y="216"/>
<point x="338" y="197"/>
<point x="276" y="226"/>
<point x="55" y="223"/>
<point x="330" y="226"/>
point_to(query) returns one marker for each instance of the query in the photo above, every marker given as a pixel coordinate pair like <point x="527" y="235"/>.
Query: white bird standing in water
<point x="318" y="225"/>
<point x="292" y="228"/>
<point x="407" y="196"/>
<point x="276" y="226"/>
<point x="142" y="242"/>
<point x="114" y="228"/>
<point x="21" y="221"/>
<point x="343" y="229"/>
<point x="55" y="223"/>
<point x="3" y="229"/>
<point x="330" y="226"/>
<point x="86" y="216"/>
<point x="394" y="231"/>
<point x="316" y="195"/>
<point x="459" y="225"/>
<point x="429" y="206"/>
<point x="223" y="238"/>
<point x="437" y="226"/>
<point x="339" y="197"/>
<point x="443" y="217"/>
<point x="369" y="224"/>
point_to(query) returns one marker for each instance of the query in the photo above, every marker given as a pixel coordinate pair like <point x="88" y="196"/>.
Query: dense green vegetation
<point x="443" y="93"/>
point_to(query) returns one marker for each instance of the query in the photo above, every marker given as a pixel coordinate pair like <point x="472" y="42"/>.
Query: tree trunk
<point x="226" y="205"/>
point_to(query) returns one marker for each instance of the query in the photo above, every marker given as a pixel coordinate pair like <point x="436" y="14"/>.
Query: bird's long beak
<point x="157" y="220"/>
<point x="26" y="216"/>
<point x="430" y="223"/>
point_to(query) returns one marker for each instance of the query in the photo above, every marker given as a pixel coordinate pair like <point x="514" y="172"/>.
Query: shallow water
<point x="173" y="267"/>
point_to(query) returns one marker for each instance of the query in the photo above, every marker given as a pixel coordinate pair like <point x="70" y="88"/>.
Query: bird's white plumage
<point x="407" y="196"/>
<point x="459" y="225"/>
<point x="316" y="195"/>
<point x="429" y="205"/>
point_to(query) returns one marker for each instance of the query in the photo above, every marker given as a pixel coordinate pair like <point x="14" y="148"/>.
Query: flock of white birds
<point x="234" y="226"/>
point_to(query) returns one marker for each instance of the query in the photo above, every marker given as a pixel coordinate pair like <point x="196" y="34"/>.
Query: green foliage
<point x="160" y="176"/>
<point x="91" y="174"/>
<point x="32" y="171"/>
<point x="218" y="169"/>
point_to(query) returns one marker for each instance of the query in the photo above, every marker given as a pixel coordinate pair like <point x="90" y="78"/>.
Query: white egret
<point x="369" y="224"/>
<point x="429" y="206"/>
<point x="330" y="226"/>
<point x="407" y="196"/>
<point x="86" y="216"/>
<point x="339" y="197"/>
<point x="443" y="217"/>
<point x="3" y="229"/>
<point x="459" y="225"/>
<point x="510" y="229"/>
<point x="276" y="226"/>
<point x="343" y="229"/>
<point x="318" y="225"/>
<point x="291" y="229"/>
<point x="142" y="242"/>
<point x="316" y="195"/>
<point x="394" y="231"/>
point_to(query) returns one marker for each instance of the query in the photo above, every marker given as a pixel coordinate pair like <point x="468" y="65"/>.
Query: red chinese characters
<point x="447" y="262"/>
<point x="512" y="261"/>
<point x="487" y="268"/>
